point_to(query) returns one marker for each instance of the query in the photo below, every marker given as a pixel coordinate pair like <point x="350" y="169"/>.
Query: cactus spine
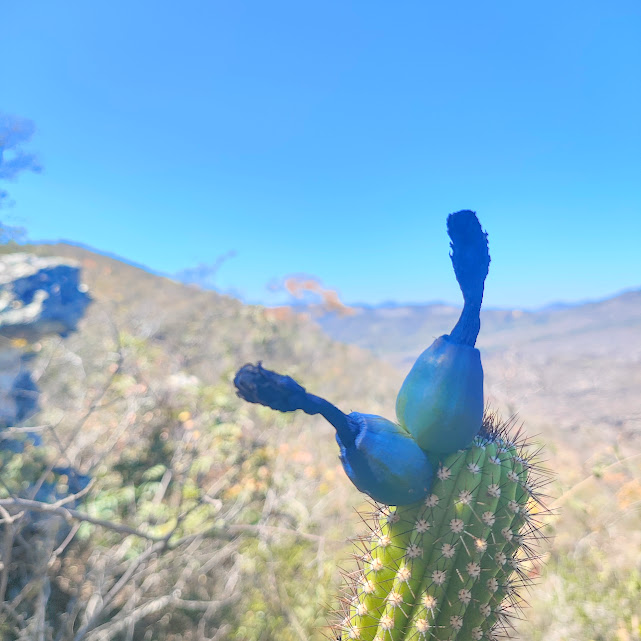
<point x="448" y="567"/>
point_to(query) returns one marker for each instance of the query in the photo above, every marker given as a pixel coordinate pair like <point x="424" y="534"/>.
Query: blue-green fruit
<point x="441" y="400"/>
<point x="385" y="462"/>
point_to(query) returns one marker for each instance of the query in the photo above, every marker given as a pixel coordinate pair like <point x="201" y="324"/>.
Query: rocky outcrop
<point x="38" y="297"/>
<point x="18" y="392"/>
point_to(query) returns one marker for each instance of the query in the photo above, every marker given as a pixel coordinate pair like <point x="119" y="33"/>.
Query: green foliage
<point x="143" y="393"/>
<point x="24" y="472"/>
<point x="293" y="578"/>
<point x="597" y="601"/>
<point x="589" y="588"/>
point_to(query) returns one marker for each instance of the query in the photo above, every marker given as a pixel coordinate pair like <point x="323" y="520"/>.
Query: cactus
<point x="449" y="567"/>
<point x="456" y="496"/>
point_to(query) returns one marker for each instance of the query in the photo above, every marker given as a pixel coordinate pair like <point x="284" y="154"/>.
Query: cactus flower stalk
<point x="370" y="446"/>
<point x="441" y="400"/>
<point x="457" y="500"/>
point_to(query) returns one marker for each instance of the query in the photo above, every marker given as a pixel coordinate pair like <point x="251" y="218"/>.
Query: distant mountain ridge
<point x="303" y="306"/>
<point x="397" y="332"/>
<point x="575" y="367"/>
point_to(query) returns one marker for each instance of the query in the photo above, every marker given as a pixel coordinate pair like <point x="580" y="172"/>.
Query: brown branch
<point x="118" y="587"/>
<point x="95" y="405"/>
<point x="7" y="546"/>
<point x="109" y="630"/>
<point x="8" y="432"/>
<point x="69" y="514"/>
<point x="237" y="528"/>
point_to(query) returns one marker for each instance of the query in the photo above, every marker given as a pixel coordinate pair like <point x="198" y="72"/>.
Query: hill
<point x="141" y="399"/>
<point x="570" y="369"/>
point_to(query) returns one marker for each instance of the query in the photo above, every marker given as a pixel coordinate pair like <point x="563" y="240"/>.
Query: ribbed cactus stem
<point x="445" y="568"/>
<point x="450" y="545"/>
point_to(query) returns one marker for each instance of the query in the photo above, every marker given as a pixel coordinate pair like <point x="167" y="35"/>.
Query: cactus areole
<point x="452" y="536"/>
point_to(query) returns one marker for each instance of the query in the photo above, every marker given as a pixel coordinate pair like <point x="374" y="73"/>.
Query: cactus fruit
<point x="441" y="401"/>
<point x="371" y="462"/>
<point x="448" y="567"/>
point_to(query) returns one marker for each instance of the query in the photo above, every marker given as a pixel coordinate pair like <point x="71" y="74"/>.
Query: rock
<point x="18" y="392"/>
<point x="39" y="296"/>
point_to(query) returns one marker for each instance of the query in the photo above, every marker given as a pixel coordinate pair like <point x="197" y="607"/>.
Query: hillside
<point x="577" y="368"/>
<point x="210" y="335"/>
<point x="141" y="398"/>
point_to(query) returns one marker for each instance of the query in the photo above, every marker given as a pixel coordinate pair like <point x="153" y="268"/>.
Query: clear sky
<point x="332" y="138"/>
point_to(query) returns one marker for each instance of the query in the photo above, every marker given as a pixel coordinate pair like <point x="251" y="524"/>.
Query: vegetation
<point x="208" y="518"/>
<point x="198" y="506"/>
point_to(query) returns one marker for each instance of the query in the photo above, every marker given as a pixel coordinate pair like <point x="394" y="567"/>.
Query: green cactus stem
<point x="448" y="567"/>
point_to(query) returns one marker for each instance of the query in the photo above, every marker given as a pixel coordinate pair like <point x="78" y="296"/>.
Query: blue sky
<point x="332" y="138"/>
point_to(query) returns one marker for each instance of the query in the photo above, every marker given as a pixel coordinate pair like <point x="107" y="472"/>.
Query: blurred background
<point x="187" y="189"/>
